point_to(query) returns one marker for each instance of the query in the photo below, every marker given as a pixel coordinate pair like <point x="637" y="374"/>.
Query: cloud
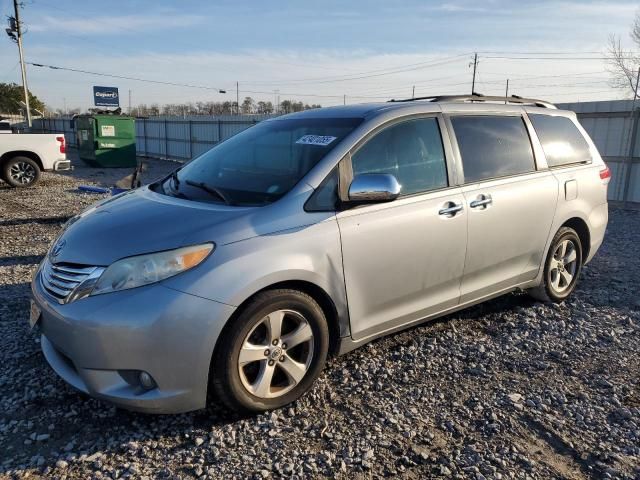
<point x="457" y="8"/>
<point x="114" y="25"/>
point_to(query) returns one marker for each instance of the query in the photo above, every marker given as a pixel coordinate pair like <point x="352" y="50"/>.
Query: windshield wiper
<point x="210" y="190"/>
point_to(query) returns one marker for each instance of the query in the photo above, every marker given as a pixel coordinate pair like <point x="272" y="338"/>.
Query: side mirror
<point x="374" y="188"/>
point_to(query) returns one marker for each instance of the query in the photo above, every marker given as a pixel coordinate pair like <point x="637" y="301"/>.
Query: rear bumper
<point x="62" y="165"/>
<point x="598" y="220"/>
<point x="100" y="344"/>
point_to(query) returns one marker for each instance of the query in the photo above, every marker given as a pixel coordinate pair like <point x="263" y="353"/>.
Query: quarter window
<point x="561" y="140"/>
<point x="411" y="151"/>
<point x="493" y="146"/>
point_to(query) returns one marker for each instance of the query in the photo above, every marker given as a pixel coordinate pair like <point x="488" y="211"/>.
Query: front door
<point x="404" y="260"/>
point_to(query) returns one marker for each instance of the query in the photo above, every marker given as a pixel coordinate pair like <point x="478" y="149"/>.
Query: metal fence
<point x="168" y="137"/>
<point x="617" y="135"/>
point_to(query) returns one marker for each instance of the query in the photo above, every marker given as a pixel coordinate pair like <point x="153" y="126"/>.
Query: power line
<point x="362" y="75"/>
<point x="540" y="53"/>
<point x="505" y="57"/>
<point x="175" y="84"/>
<point x="124" y="77"/>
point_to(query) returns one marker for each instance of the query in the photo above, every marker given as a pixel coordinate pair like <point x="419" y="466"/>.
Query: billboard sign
<point x="106" y="97"/>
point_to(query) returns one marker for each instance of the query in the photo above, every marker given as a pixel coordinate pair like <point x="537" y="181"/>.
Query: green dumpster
<point x="106" y="140"/>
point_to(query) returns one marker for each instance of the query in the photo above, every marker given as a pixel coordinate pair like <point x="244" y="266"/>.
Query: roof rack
<point x="478" y="97"/>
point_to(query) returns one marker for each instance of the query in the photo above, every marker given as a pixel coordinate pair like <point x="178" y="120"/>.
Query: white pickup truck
<point x="24" y="155"/>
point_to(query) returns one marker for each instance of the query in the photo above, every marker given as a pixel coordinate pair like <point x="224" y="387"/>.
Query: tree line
<point x="248" y="106"/>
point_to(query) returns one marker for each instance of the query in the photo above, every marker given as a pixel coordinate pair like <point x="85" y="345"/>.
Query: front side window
<point x="493" y="146"/>
<point x="260" y="164"/>
<point x="411" y="151"/>
<point x="561" y="140"/>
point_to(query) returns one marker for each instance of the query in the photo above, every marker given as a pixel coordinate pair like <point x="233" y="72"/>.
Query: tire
<point x="559" y="279"/>
<point x="20" y="172"/>
<point x="270" y="374"/>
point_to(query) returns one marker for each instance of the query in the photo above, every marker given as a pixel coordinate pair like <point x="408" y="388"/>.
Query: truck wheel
<point x="20" y="172"/>
<point x="272" y="353"/>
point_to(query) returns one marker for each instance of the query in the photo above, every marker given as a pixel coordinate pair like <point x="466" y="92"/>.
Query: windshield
<point x="260" y="164"/>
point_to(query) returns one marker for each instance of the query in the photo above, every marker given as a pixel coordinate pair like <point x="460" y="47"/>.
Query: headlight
<point x="145" y="269"/>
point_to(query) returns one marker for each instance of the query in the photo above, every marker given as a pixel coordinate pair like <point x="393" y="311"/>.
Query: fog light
<point x="146" y="381"/>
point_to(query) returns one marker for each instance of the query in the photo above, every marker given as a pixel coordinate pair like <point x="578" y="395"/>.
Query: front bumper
<point x="97" y="345"/>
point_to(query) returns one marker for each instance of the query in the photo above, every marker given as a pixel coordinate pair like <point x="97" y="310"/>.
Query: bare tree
<point x="248" y="105"/>
<point x="624" y="64"/>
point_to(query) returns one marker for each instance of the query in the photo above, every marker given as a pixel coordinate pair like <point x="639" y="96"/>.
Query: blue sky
<point x="316" y="51"/>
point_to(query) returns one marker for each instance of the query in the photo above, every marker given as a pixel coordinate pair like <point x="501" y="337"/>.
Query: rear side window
<point x="493" y="146"/>
<point x="411" y="151"/>
<point x="561" y="140"/>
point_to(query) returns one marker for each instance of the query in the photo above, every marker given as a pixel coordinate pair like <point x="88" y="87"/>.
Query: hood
<point x="141" y="221"/>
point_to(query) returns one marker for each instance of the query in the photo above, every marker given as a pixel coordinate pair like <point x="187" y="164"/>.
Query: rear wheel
<point x="20" y="172"/>
<point x="562" y="267"/>
<point x="272" y="353"/>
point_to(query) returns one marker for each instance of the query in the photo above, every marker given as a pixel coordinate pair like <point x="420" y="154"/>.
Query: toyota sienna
<point x="309" y="235"/>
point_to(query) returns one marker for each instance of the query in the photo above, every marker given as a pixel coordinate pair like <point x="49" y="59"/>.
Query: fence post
<point x="635" y="116"/>
<point x="190" y="142"/>
<point x="166" y="140"/>
<point x="219" y="132"/>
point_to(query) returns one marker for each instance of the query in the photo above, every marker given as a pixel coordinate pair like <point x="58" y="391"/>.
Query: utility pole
<point x="473" y="82"/>
<point x="238" y="98"/>
<point x="16" y="7"/>
<point x="64" y="103"/>
<point x="344" y="100"/>
<point x="129" y="112"/>
<point x="506" y="92"/>
<point x="413" y="92"/>
<point x="633" y="136"/>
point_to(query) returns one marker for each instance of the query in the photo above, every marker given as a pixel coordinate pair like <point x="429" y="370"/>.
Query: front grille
<point x="61" y="280"/>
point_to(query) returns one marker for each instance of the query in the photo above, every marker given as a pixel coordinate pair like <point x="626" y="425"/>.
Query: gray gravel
<point x="508" y="389"/>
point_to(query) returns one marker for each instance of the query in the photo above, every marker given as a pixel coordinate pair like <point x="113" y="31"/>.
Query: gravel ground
<point x="508" y="389"/>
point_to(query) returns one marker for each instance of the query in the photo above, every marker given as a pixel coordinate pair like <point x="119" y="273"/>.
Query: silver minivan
<point x="311" y="234"/>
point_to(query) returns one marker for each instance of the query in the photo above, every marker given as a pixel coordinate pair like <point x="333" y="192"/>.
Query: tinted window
<point x="262" y="163"/>
<point x="493" y="146"/>
<point x="412" y="151"/>
<point x="561" y="140"/>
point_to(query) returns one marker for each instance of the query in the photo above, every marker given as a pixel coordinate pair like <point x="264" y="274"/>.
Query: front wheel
<point x="272" y="352"/>
<point x="562" y="267"/>
<point x="20" y="172"/>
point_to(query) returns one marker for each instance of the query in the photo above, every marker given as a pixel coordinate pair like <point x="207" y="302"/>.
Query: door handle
<point x="450" y="209"/>
<point x="481" y="201"/>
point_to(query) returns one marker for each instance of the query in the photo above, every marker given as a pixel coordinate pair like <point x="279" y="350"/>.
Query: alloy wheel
<point x="563" y="265"/>
<point x="276" y="354"/>
<point x="22" y="172"/>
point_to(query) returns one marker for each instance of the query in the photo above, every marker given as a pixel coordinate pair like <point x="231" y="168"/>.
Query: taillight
<point x="605" y="173"/>
<point x="63" y="148"/>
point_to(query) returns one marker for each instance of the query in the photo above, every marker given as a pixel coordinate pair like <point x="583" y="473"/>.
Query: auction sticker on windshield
<point x="321" y="140"/>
